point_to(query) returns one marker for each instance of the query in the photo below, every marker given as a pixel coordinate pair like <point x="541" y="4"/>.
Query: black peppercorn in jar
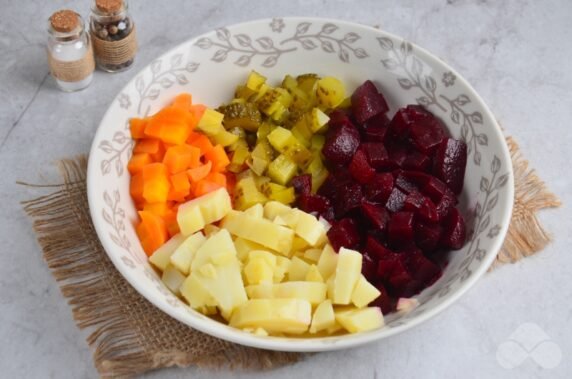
<point x="113" y="35"/>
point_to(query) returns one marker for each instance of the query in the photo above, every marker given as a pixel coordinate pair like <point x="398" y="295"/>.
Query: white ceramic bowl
<point x="211" y="65"/>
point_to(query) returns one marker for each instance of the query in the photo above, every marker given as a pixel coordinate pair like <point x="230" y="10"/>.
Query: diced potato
<point x="282" y="267"/>
<point x="260" y="291"/>
<point x="274" y="315"/>
<point x="282" y="169"/>
<point x="364" y="293"/>
<point x="264" y="255"/>
<point x="313" y="275"/>
<point x="360" y="320"/>
<point x="298" y="244"/>
<point x="258" y="271"/>
<point x="210" y="229"/>
<point x="215" y="245"/>
<point x="173" y="279"/>
<point x="196" y="294"/>
<point x="261" y="231"/>
<point x="275" y="208"/>
<point x="162" y="256"/>
<point x="244" y="247"/>
<point x="314" y="292"/>
<point x="310" y="229"/>
<point x="195" y="214"/>
<point x="184" y="254"/>
<point x="348" y="271"/>
<point x="298" y="269"/>
<point x="257" y="211"/>
<point x="260" y="332"/>
<point x="208" y="270"/>
<point x="313" y="254"/>
<point x="323" y="317"/>
<point x="327" y="262"/>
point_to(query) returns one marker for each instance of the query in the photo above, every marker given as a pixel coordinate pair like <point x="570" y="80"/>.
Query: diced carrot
<point x="181" y="157"/>
<point x="137" y="162"/>
<point x="202" y="187"/>
<point x="218" y="157"/>
<point x="216" y="177"/>
<point x="137" y="127"/>
<point x="198" y="173"/>
<point x="183" y="101"/>
<point x="202" y="142"/>
<point x="155" y="183"/>
<point x="170" y="125"/>
<point x="136" y="188"/>
<point x="159" y="209"/>
<point x="180" y="183"/>
<point x="147" y="145"/>
<point x="198" y="110"/>
<point x="171" y="223"/>
<point x="230" y="182"/>
<point x="160" y="154"/>
<point x="153" y="232"/>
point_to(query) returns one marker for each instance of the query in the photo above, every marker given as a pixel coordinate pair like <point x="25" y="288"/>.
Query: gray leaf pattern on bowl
<point x="399" y="56"/>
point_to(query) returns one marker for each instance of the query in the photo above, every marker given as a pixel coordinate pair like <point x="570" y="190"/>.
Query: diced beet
<point x="436" y="189"/>
<point x="416" y="161"/>
<point x="316" y="203"/>
<point x="388" y="265"/>
<point x="344" y="233"/>
<point x="341" y="144"/>
<point x="454" y="232"/>
<point x="377" y="215"/>
<point x="348" y="198"/>
<point x="367" y="102"/>
<point x="379" y="189"/>
<point x="328" y="188"/>
<point x="400" y="228"/>
<point x="385" y="302"/>
<point x="427" y="134"/>
<point x="417" y="113"/>
<point x="418" y="177"/>
<point x="444" y="205"/>
<point x="422" y="269"/>
<point x="377" y="250"/>
<point x="395" y="200"/>
<point x="339" y="117"/>
<point x="398" y="153"/>
<point x="450" y="162"/>
<point x="427" y="235"/>
<point x="421" y="205"/>
<point x="360" y="167"/>
<point x="302" y="184"/>
<point x="375" y="134"/>
<point x="376" y="154"/>
<point x="401" y="281"/>
<point x="403" y="183"/>
<point x="369" y="267"/>
<point x="379" y="121"/>
<point x="400" y="124"/>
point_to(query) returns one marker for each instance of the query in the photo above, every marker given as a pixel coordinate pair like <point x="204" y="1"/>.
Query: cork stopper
<point x="64" y="21"/>
<point x="109" y="6"/>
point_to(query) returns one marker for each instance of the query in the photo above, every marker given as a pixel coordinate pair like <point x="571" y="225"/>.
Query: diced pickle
<point x="243" y="115"/>
<point x="246" y="194"/>
<point x="281" y="170"/>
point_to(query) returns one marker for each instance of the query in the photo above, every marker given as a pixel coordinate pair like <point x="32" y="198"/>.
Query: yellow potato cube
<point x="274" y="315"/>
<point x="327" y="262"/>
<point x="195" y="214"/>
<point x="210" y="229"/>
<point x="244" y="247"/>
<point x="258" y="271"/>
<point x="364" y="293"/>
<point x="313" y="254"/>
<point x="256" y="211"/>
<point x="360" y="320"/>
<point x="265" y="255"/>
<point x="208" y="270"/>
<point x="282" y="267"/>
<point x="313" y="275"/>
<point x="184" y="254"/>
<point x="298" y="244"/>
<point x="162" y="256"/>
<point x="196" y="294"/>
<point x="261" y="231"/>
<point x="310" y="229"/>
<point x="227" y="287"/>
<point x="298" y="269"/>
<point x="260" y="291"/>
<point x="219" y="243"/>
<point x="323" y="317"/>
<point x="348" y="272"/>
<point x="173" y="279"/>
<point x="313" y="292"/>
<point x="275" y="208"/>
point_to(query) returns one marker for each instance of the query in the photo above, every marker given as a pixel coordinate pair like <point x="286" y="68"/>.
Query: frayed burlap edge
<point x="525" y="235"/>
<point x="130" y="336"/>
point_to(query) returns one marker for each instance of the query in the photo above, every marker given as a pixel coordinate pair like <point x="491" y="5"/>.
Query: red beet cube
<point x="344" y="233"/>
<point x="377" y="250"/>
<point x="347" y="198"/>
<point x="377" y="215"/>
<point x="302" y="184"/>
<point x="444" y="205"/>
<point x="316" y="204"/>
<point x="395" y="200"/>
<point x="422" y="269"/>
<point x="369" y="267"/>
<point x="454" y="232"/>
<point x="398" y="153"/>
<point x="376" y="154"/>
<point x="379" y="121"/>
<point x="400" y="228"/>
<point x="367" y="102"/>
<point x="375" y="134"/>
<point x="436" y="189"/>
<point x="450" y="163"/>
<point x="379" y="189"/>
<point x="360" y="167"/>
<point x="427" y="134"/>
<point x="341" y="144"/>
<point x="421" y="205"/>
<point x="385" y="302"/>
<point x="388" y="265"/>
<point x="427" y="235"/>
<point x="416" y="161"/>
<point x="403" y="183"/>
<point x="339" y="117"/>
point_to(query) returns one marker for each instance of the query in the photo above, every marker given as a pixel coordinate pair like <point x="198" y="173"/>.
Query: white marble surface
<point x="516" y="54"/>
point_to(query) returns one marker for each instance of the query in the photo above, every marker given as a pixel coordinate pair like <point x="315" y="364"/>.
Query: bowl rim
<point x="227" y="333"/>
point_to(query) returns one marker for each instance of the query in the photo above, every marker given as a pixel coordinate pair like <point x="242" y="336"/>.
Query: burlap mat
<point x="131" y="336"/>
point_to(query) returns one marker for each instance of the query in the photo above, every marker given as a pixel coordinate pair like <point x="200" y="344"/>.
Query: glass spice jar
<point x="113" y="34"/>
<point x="70" y="55"/>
